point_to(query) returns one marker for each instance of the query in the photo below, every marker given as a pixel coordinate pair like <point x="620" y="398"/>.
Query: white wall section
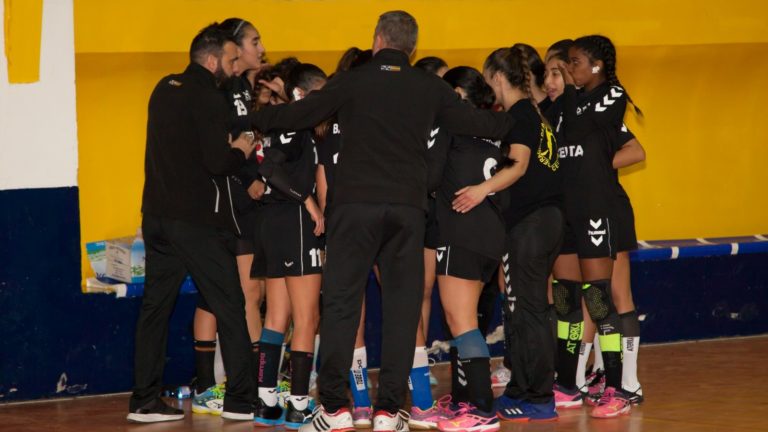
<point x="38" y="123"/>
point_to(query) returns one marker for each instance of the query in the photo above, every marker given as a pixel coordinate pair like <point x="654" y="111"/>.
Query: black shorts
<point x="432" y="233"/>
<point x="569" y="241"/>
<point x="462" y="263"/>
<point x="626" y="237"/>
<point x="594" y="235"/>
<point x="284" y="244"/>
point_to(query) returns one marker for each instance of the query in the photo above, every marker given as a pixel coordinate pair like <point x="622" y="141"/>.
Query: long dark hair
<point x="598" y="47"/>
<point x="479" y="93"/>
<point x="533" y="59"/>
<point x="352" y="58"/>
<point x="513" y="64"/>
<point x="235" y="29"/>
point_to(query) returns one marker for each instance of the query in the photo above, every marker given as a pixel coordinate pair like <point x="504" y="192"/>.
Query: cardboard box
<point x="125" y="259"/>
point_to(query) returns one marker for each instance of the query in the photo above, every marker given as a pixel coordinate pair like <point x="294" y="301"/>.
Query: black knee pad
<point x="567" y="297"/>
<point x="597" y="296"/>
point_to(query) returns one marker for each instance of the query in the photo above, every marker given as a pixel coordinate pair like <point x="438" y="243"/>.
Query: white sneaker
<point x="236" y="416"/>
<point x="155" y="411"/>
<point x="323" y="421"/>
<point x="500" y="377"/>
<point x="386" y="422"/>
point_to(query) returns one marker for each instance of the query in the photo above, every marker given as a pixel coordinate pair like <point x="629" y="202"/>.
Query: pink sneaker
<point x="426" y="419"/>
<point x="612" y="404"/>
<point x="596" y="382"/>
<point x="567" y="399"/>
<point x="471" y="420"/>
<point x="361" y="417"/>
<point x="448" y="409"/>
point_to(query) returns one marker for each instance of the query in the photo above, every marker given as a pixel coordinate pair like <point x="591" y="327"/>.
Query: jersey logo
<point x="175" y="83"/>
<point x="609" y="99"/>
<point x="432" y="133"/>
<point x="547" y="152"/>
<point x="336" y="158"/>
<point x="570" y="151"/>
<point x="336" y="129"/>
<point x="288" y="264"/>
<point x="286" y="138"/>
<point x="489" y="169"/>
<point x="624" y="128"/>
<point x="390" y="68"/>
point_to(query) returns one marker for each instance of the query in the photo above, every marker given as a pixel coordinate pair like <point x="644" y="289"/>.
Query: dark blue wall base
<point x="49" y="328"/>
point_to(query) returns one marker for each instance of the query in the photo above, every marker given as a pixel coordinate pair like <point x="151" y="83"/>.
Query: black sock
<point x="610" y="345"/>
<point x="269" y="361"/>
<point x="205" y="353"/>
<point x="459" y="390"/>
<point x="255" y="366"/>
<point x="479" y="382"/>
<point x="301" y="368"/>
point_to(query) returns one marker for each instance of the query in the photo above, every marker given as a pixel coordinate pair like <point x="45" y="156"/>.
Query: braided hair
<point x="513" y="63"/>
<point x="598" y="47"/>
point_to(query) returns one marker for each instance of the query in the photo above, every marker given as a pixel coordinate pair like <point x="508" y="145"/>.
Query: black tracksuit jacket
<point x="188" y="156"/>
<point x="386" y="109"/>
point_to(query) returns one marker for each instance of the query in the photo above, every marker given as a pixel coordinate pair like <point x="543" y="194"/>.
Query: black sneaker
<point x="267" y="416"/>
<point x="635" y="397"/>
<point x="295" y="418"/>
<point x="155" y="411"/>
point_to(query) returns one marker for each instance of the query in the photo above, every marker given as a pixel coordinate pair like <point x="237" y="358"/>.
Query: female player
<point x="246" y="188"/>
<point x="469" y="247"/>
<point x="534" y="225"/>
<point x="288" y="255"/>
<point x="592" y="119"/>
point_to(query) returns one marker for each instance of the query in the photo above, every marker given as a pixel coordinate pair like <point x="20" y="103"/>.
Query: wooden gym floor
<point x="698" y="386"/>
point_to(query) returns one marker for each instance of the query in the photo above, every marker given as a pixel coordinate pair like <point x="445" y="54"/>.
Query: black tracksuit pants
<point x="358" y="236"/>
<point x="173" y="250"/>
<point x="529" y="322"/>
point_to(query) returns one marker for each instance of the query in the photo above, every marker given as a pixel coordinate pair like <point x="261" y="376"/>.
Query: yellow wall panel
<point x="702" y="101"/>
<point x="23" y="31"/>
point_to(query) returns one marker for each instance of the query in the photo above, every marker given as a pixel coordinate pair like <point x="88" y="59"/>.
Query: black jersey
<point x="240" y="97"/>
<point x="471" y="161"/>
<point x="289" y="165"/>
<point x="328" y="150"/>
<point x="591" y="121"/>
<point x="541" y="185"/>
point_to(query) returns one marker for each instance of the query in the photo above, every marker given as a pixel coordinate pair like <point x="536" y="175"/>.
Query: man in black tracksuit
<point x="386" y="109"/>
<point x="189" y="224"/>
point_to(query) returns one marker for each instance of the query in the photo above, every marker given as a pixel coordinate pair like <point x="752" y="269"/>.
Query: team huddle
<point x="278" y="181"/>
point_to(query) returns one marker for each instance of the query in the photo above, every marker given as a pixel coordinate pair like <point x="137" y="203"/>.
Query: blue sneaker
<point x="505" y="402"/>
<point x="268" y="416"/>
<point x="529" y="412"/>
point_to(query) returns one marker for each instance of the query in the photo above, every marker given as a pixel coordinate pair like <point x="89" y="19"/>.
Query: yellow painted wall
<point x="697" y="69"/>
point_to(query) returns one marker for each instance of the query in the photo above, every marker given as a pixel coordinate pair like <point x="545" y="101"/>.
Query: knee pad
<point x="597" y="296"/>
<point x="567" y="297"/>
<point x="471" y="345"/>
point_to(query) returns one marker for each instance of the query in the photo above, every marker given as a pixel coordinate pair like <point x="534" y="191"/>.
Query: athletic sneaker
<point x="211" y="401"/>
<point x="471" y="420"/>
<point x="450" y="410"/>
<point x="387" y="422"/>
<point x="295" y="418"/>
<point x="529" y="412"/>
<point x="500" y="377"/>
<point x="505" y="402"/>
<point x="596" y="382"/>
<point x="613" y="404"/>
<point x="635" y="397"/>
<point x="268" y="416"/>
<point x="323" y="421"/>
<point x="237" y="416"/>
<point x="565" y="398"/>
<point x="426" y="419"/>
<point x="361" y="417"/>
<point x="155" y="411"/>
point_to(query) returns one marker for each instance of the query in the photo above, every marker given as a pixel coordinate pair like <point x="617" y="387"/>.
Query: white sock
<point x="598" y="365"/>
<point x="268" y="395"/>
<point x="629" y="347"/>
<point x="299" y="402"/>
<point x="420" y="357"/>
<point x="581" y="366"/>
